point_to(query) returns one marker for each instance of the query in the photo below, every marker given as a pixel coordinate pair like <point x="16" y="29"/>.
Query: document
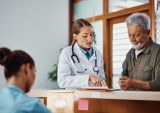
<point x="95" y="88"/>
<point x="99" y="88"/>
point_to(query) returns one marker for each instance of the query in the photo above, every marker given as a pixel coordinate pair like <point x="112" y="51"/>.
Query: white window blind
<point x="158" y="22"/>
<point x="121" y="46"/>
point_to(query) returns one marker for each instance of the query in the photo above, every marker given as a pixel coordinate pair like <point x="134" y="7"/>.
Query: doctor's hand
<point x="96" y="81"/>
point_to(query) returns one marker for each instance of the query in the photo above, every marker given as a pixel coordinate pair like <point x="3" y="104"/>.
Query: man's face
<point x="137" y="36"/>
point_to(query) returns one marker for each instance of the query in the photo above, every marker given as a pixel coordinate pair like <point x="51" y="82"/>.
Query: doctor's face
<point x="85" y="37"/>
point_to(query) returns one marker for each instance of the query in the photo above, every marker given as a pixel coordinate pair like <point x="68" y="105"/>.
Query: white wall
<point x="39" y="27"/>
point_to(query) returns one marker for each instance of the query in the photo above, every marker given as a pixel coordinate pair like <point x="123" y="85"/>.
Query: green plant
<point x="52" y="76"/>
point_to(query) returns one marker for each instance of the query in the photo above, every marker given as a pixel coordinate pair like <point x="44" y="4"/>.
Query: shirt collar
<point x="90" y="51"/>
<point x="147" y="48"/>
<point x="15" y="88"/>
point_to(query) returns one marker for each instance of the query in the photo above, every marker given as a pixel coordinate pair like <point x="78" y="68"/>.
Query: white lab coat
<point x="68" y="77"/>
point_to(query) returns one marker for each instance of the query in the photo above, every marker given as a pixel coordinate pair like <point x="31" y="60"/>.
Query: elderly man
<point x="141" y="68"/>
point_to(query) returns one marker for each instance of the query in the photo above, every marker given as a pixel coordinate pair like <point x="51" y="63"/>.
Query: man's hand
<point x="124" y="82"/>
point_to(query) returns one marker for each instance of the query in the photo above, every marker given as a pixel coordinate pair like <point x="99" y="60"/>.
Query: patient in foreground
<point x="19" y="69"/>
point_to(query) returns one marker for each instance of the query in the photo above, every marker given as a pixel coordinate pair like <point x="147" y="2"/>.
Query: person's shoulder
<point x="34" y="104"/>
<point x="6" y="93"/>
<point x="31" y="101"/>
<point x="97" y="50"/>
<point x="155" y="45"/>
<point x="130" y="52"/>
<point x="38" y="106"/>
<point x="19" y="101"/>
<point x="3" y="93"/>
<point x="66" y="49"/>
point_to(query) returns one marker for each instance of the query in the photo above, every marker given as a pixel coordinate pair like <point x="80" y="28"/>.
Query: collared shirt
<point x="88" y="53"/>
<point x="146" y="67"/>
<point x="14" y="100"/>
<point x="137" y="52"/>
<point x="3" y="82"/>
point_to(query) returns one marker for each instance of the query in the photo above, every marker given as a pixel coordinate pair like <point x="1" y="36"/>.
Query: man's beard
<point x="138" y="46"/>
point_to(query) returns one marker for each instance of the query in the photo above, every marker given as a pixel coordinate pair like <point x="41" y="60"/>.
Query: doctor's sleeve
<point x="102" y="74"/>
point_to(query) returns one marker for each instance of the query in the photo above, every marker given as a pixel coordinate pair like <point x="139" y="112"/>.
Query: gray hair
<point x="141" y="19"/>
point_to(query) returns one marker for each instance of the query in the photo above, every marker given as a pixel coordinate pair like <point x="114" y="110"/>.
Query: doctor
<point x="81" y="65"/>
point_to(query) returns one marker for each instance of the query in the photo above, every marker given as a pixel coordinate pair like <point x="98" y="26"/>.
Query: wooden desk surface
<point x="103" y="101"/>
<point x="38" y="93"/>
<point x="123" y="95"/>
<point x="118" y="101"/>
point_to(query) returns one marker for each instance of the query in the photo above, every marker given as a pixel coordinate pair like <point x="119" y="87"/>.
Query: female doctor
<point x="81" y="65"/>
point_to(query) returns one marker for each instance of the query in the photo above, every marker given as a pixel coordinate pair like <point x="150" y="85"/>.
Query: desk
<point x="119" y="101"/>
<point x="39" y="93"/>
<point x="104" y="102"/>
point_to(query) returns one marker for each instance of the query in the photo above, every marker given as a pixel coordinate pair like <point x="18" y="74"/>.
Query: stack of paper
<point x="95" y="88"/>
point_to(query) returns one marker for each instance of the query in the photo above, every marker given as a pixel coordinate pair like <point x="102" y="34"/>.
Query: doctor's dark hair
<point x="13" y="60"/>
<point x="77" y="25"/>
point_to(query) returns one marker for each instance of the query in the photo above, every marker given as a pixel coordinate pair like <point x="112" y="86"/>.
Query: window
<point x="87" y="8"/>
<point x="98" y="28"/>
<point x="116" y="5"/>
<point x="121" y="46"/>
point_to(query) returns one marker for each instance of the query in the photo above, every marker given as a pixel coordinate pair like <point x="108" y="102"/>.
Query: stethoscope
<point x="95" y="68"/>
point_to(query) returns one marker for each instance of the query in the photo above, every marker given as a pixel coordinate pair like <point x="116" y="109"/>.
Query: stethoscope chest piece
<point x="96" y="69"/>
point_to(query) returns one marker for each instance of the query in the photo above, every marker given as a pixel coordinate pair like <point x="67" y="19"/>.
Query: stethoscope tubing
<point x="95" y="68"/>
